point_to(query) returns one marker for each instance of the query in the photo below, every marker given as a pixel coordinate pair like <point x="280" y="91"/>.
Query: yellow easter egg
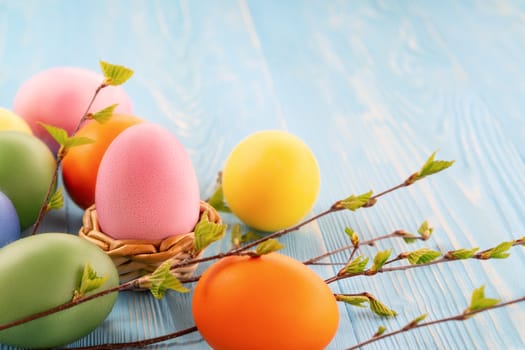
<point x="11" y="122"/>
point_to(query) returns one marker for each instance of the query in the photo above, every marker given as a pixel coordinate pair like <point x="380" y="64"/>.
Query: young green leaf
<point x="251" y="236"/>
<point x="415" y="321"/>
<point x="379" y="260"/>
<point x="379" y="332"/>
<point x="88" y="282"/>
<point x="66" y="142"/>
<point x="460" y="254"/>
<point x="354" y="238"/>
<point x="358" y="300"/>
<point x="425" y="231"/>
<point x="268" y="246"/>
<point x="75" y="141"/>
<point x="498" y="252"/>
<point x="207" y="232"/>
<point x="356" y="266"/>
<point x="431" y="167"/>
<point x="236" y="235"/>
<point x="354" y="300"/>
<point x="381" y="309"/>
<point x="407" y="236"/>
<point x="58" y="134"/>
<point x="115" y="74"/>
<point x="217" y="200"/>
<point x="409" y="240"/>
<point x="161" y="280"/>
<point x="478" y="300"/>
<point x="422" y="256"/>
<point x="56" y="201"/>
<point x="355" y="202"/>
<point x="104" y="115"/>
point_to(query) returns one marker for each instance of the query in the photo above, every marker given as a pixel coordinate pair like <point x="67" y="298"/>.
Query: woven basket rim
<point x="134" y="258"/>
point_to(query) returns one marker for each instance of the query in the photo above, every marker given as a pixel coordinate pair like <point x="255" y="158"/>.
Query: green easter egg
<point x="42" y="271"/>
<point x="26" y="170"/>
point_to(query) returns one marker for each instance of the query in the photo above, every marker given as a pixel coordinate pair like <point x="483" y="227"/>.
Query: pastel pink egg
<point x="59" y="96"/>
<point x="146" y="186"/>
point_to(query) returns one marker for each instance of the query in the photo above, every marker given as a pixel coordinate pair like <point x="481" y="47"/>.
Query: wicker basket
<point x="135" y="258"/>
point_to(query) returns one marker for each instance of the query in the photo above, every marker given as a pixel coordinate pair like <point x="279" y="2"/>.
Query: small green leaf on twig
<point x="379" y="260"/>
<point x="354" y="237"/>
<point x="58" y="134"/>
<point x="425" y="231"/>
<point x="354" y="300"/>
<point x="422" y="256"/>
<point x="460" y="254"/>
<point x="115" y="74"/>
<point x="66" y="142"/>
<point x="104" y="115"/>
<point x="359" y="299"/>
<point x="268" y="246"/>
<point x="415" y="322"/>
<point x="207" y="232"/>
<point x="161" y="280"/>
<point x="498" y="252"/>
<point x="56" y="201"/>
<point x="217" y="200"/>
<point x="236" y="235"/>
<point x="356" y="266"/>
<point x="381" y="309"/>
<point x="430" y="167"/>
<point x="238" y="238"/>
<point x="88" y="282"/>
<point x="407" y="236"/>
<point x="479" y="302"/>
<point x="251" y="236"/>
<point x="379" y="332"/>
<point x="77" y="141"/>
<point x="355" y="202"/>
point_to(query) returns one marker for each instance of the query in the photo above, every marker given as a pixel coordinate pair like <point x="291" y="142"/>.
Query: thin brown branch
<point x="369" y="242"/>
<point x="240" y="250"/>
<point x="277" y="234"/>
<point x="401" y="185"/>
<point x="444" y="259"/>
<point x="460" y="317"/>
<point x="44" y="209"/>
<point x="139" y="343"/>
<point x="122" y="287"/>
<point x="60" y="156"/>
<point x="86" y="113"/>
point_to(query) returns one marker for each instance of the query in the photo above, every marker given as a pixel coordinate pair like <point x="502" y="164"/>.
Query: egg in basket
<point x="147" y="203"/>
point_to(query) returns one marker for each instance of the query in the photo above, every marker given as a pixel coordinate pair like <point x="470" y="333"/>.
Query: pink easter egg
<point x="146" y="186"/>
<point x="60" y="96"/>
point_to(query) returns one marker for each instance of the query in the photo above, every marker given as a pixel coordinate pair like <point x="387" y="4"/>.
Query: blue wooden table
<point x="373" y="87"/>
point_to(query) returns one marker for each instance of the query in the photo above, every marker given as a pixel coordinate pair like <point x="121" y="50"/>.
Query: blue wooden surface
<point x="373" y="87"/>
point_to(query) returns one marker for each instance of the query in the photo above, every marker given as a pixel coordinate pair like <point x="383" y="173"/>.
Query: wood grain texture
<point x="372" y="87"/>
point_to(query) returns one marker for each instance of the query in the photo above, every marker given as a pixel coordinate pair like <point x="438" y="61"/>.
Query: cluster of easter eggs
<point x="160" y="194"/>
<point x="26" y="170"/>
<point x="143" y="184"/>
